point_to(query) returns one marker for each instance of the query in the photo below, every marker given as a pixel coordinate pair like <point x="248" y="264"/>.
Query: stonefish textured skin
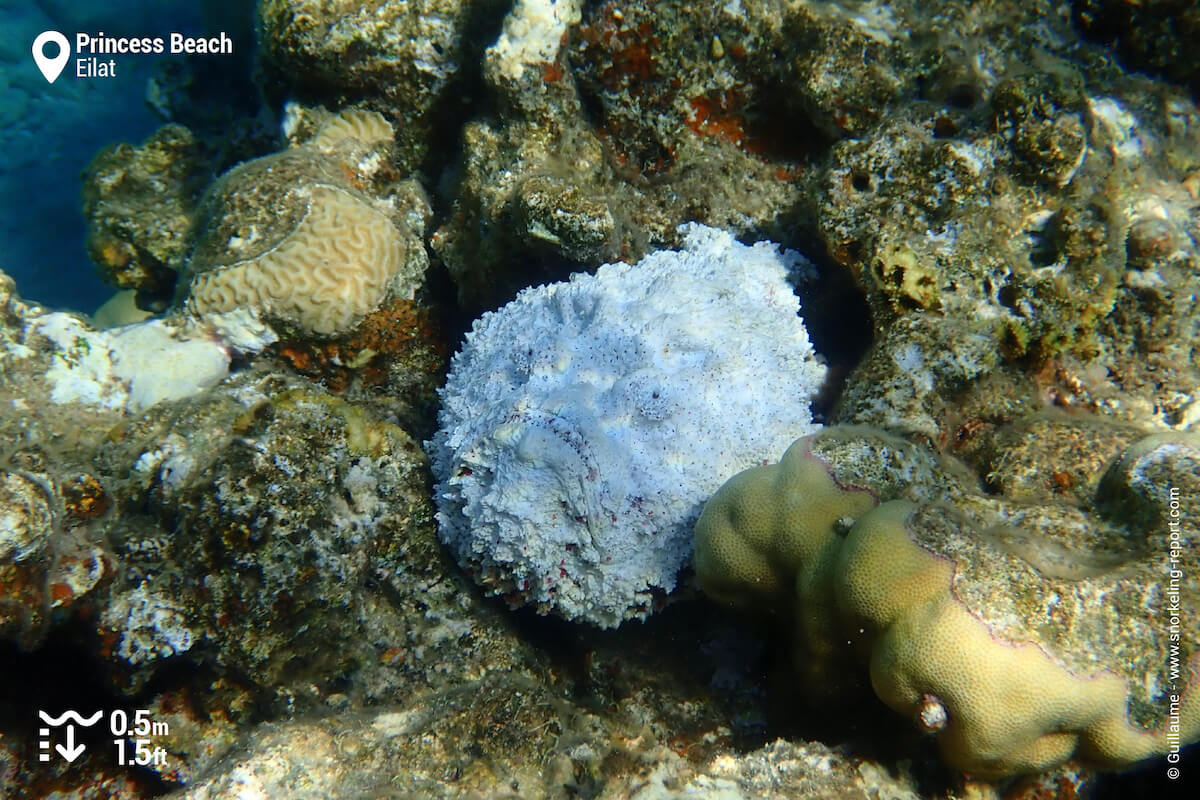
<point x="585" y="423"/>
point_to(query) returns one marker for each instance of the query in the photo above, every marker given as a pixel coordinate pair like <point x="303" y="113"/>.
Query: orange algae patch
<point x="710" y="117"/>
<point x="400" y="330"/>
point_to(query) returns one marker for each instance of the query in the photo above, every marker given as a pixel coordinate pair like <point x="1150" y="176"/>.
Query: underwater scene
<point x="595" y="400"/>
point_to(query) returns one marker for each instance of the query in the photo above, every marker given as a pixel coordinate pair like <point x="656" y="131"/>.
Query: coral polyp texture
<point x="327" y="274"/>
<point x="1020" y="636"/>
<point x="355" y="125"/>
<point x="298" y="237"/>
<point x="585" y="423"/>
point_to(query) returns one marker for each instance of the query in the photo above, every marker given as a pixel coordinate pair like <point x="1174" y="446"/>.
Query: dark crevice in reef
<point x="839" y="324"/>
<point x="467" y="98"/>
<point x="56" y="676"/>
<point x="63" y="674"/>
<point x="1150" y="781"/>
<point x="786" y="132"/>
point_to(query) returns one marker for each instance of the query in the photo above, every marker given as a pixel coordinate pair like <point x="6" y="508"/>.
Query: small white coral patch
<point x="151" y="626"/>
<point x="131" y="367"/>
<point x="533" y="33"/>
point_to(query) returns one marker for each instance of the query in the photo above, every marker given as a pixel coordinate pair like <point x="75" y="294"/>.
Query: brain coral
<point x="1016" y="647"/>
<point x="585" y="422"/>
<point x="294" y="235"/>
<point x="356" y="125"/>
<point x="330" y="271"/>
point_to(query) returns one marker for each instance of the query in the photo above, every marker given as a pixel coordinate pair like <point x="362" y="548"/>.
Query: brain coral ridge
<point x="354" y="125"/>
<point x="330" y="272"/>
<point x="1015" y="649"/>
<point x="294" y="237"/>
<point x="584" y="423"/>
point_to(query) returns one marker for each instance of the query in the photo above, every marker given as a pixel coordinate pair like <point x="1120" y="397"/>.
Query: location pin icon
<point x="51" y="67"/>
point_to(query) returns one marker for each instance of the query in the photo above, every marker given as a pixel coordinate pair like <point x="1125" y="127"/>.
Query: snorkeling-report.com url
<point x="1174" y="612"/>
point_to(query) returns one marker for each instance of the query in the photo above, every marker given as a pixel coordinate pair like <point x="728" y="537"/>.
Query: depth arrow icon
<point x="72" y="750"/>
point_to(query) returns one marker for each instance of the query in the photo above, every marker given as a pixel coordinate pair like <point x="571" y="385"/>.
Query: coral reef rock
<point x="1018" y="635"/>
<point x="126" y="369"/>
<point x="535" y="748"/>
<point x="313" y="238"/>
<point x="404" y="56"/>
<point x="617" y="125"/>
<point x="279" y="533"/>
<point x="140" y="204"/>
<point x="584" y="423"/>
<point x="63" y="387"/>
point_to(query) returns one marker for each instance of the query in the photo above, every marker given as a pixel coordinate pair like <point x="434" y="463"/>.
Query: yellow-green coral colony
<point x="1013" y="660"/>
<point x="293" y="236"/>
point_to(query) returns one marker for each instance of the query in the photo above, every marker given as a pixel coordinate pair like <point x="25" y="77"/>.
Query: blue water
<point x="49" y="133"/>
